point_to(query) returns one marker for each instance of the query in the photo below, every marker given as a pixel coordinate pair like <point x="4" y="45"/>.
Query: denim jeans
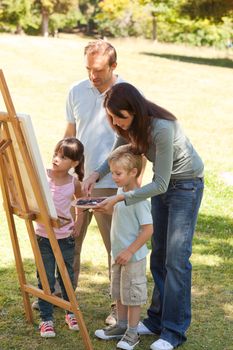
<point x="67" y="249"/>
<point x="174" y="217"/>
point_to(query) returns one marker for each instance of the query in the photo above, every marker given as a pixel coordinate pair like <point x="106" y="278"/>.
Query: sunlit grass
<point x="197" y="90"/>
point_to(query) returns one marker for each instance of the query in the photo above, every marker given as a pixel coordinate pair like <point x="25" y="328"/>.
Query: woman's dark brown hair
<point x="73" y="149"/>
<point x="125" y="96"/>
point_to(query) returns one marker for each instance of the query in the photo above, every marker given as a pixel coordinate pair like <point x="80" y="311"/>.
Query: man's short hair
<point x="101" y="47"/>
<point x="127" y="157"/>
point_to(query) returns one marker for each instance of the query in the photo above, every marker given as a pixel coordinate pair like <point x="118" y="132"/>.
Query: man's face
<point x="99" y="71"/>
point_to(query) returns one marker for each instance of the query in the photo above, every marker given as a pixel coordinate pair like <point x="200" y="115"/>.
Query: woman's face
<point x="123" y="122"/>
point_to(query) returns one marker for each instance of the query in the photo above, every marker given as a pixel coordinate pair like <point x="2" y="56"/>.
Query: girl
<point x="176" y="190"/>
<point x="69" y="153"/>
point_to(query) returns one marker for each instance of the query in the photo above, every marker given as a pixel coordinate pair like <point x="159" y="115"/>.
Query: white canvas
<point x="34" y="152"/>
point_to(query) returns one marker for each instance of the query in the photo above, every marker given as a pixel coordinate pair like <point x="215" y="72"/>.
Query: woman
<point x="176" y="192"/>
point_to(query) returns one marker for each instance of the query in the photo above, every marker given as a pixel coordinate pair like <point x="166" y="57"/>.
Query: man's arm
<point x="70" y="130"/>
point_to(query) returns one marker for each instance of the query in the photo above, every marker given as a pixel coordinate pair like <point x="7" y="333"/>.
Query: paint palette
<point x="88" y="203"/>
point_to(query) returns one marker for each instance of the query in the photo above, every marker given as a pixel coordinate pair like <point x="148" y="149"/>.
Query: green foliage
<point x="15" y="15"/>
<point x="123" y="18"/>
<point x="201" y="32"/>
<point x="212" y="9"/>
<point x="87" y="13"/>
<point x="55" y="6"/>
<point x="135" y="18"/>
<point x="196" y="22"/>
<point x="59" y="21"/>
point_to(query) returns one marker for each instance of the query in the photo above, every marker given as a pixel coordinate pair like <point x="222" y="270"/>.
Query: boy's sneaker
<point x="72" y="322"/>
<point x="110" y="332"/>
<point x="161" y="344"/>
<point x="128" y="341"/>
<point x="47" y="329"/>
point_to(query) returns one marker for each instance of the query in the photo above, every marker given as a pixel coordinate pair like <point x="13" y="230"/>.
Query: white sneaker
<point x="128" y="341"/>
<point x="110" y="332"/>
<point x="161" y="344"/>
<point x="143" y="330"/>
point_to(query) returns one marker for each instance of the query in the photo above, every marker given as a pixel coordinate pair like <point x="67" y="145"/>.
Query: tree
<point x="16" y="14"/>
<point x="125" y="17"/>
<point x="88" y="10"/>
<point x="212" y="9"/>
<point x="159" y="8"/>
<point x="49" y="7"/>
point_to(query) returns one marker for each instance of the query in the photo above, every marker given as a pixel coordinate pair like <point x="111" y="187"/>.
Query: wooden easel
<point x="16" y="203"/>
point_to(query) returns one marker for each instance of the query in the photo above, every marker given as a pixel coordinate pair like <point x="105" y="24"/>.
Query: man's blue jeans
<point x="174" y="217"/>
<point x="67" y="249"/>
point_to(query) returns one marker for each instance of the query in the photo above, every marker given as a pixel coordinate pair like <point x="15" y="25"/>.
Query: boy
<point x="130" y="230"/>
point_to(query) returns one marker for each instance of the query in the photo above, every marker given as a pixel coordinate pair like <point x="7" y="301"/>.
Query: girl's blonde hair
<point x="127" y="157"/>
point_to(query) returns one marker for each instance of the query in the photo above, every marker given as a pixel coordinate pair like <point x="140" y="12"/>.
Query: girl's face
<point x="122" y="122"/>
<point x="62" y="163"/>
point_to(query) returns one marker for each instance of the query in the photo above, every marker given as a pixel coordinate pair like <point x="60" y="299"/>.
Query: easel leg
<point x="16" y="249"/>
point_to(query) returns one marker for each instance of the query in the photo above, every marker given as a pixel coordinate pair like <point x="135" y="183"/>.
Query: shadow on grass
<point x="218" y="62"/>
<point x="213" y="235"/>
<point x="212" y="229"/>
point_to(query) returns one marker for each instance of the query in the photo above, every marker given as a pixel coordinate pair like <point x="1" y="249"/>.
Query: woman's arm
<point x="163" y="149"/>
<point x="162" y="167"/>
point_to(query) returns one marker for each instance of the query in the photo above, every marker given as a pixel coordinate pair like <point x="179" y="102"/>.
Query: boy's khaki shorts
<point x="129" y="283"/>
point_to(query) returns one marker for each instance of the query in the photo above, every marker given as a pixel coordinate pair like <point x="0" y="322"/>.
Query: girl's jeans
<point x="67" y="249"/>
<point x="174" y="217"/>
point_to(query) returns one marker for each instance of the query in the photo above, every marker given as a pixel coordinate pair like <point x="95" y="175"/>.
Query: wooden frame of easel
<point x="16" y="203"/>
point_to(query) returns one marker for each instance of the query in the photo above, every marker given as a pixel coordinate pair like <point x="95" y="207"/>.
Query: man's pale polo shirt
<point x="84" y="107"/>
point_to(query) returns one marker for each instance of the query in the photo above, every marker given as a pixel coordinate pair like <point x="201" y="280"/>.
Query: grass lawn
<point x="196" y="85"/>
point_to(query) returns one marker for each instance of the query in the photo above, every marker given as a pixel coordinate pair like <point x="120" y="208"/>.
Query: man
<point x="86" y="119"/>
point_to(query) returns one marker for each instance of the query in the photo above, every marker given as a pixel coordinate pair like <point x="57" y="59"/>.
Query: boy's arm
<point x="125" y="255"/>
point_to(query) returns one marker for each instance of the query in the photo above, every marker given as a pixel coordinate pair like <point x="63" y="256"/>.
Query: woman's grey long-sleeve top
<point x="172" y="155"/>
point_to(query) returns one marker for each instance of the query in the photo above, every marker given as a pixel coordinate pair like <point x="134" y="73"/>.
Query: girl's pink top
<point x="62" y="197"/>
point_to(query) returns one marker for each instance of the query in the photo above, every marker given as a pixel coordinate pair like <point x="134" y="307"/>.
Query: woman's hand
<point x="106" y="206"/>
<point x="88" y="184"/>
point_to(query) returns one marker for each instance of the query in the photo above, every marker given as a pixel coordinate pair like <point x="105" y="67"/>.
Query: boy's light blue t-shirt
<point x="126" y="222"/>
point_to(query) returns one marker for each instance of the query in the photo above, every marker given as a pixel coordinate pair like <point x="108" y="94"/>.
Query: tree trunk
<point x="154" y="26"/>
<point x="45" y="23"/>
<point x="19" y="29"/>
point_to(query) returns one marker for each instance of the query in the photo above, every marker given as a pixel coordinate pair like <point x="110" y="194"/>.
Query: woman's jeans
<point x="174" y="217"/>
<point x="67" y="249"/>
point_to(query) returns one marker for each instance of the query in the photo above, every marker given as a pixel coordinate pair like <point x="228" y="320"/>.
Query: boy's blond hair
<point x="127" y="157"/>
